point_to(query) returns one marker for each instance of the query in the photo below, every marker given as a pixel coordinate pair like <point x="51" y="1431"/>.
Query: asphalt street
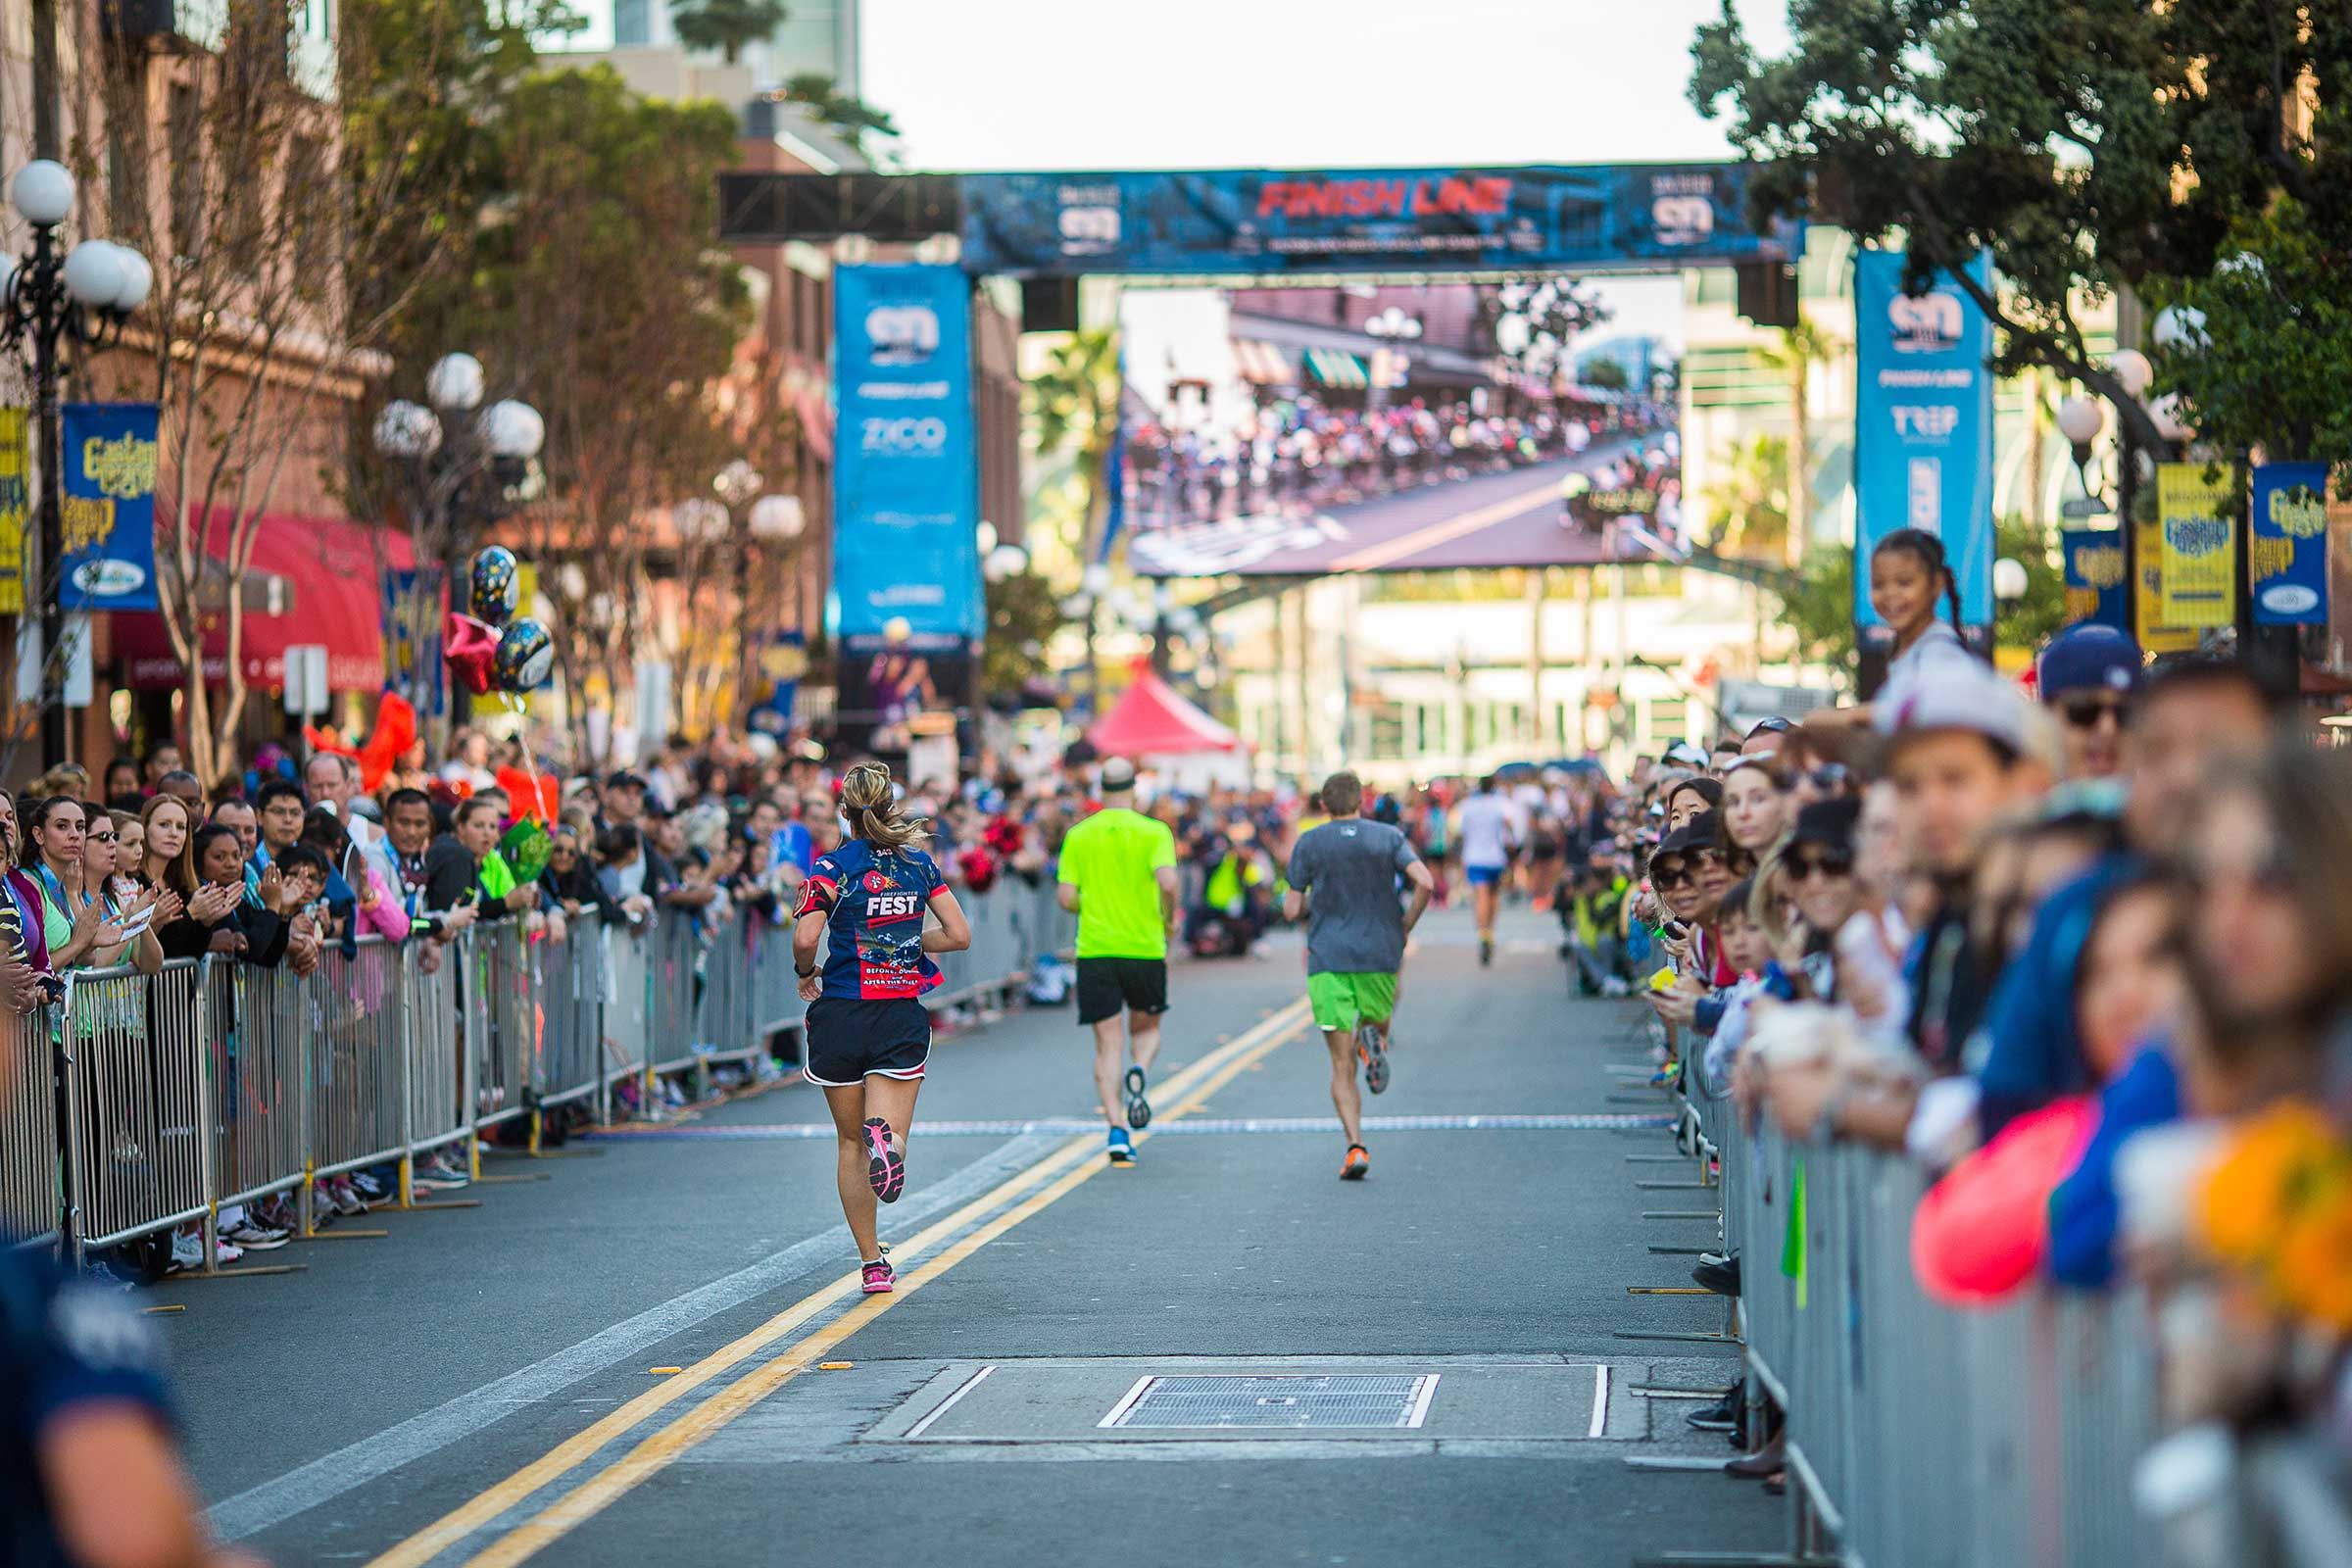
<point x="1494" y="519"/>
<point x="649" y="1350"/>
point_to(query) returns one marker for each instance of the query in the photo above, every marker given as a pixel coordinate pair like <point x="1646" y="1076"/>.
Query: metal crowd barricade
<point x="723" y="1006"/>
<point x="627" y="1012"/>
<point x="359" y="1056"/>
<point x="674" y="951"/>
<point x="218" y="1082"/>
<point x="776" y="1004"/>
<point x="505" y="1046"/>
<point x="259" y="1051"/>
<point x="135" y="1081"/>
<point x="32" y="1200"/>
<point x="1918" y="1434"/>
<point x="440" y="1093"/>
<point x="570" y="995"/>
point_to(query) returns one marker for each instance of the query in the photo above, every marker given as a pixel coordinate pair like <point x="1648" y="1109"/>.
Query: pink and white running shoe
<point x="885" y="1169"/>
<point x="880" y="1278"/>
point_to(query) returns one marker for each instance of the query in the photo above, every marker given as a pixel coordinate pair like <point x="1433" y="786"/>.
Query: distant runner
<point x="1487" y="837"/>
<point x="1118" y="874"/>
<point x="869" y="1034"/>
<point x="1356" y="934"/>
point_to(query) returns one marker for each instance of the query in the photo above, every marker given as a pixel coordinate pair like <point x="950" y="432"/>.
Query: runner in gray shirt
<point x="1343" y="877"/>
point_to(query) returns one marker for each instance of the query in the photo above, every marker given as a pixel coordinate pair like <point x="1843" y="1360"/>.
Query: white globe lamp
<point x="42" y="194"/>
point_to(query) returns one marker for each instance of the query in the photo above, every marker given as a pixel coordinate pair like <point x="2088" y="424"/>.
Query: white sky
<point x="1275" y="84"/>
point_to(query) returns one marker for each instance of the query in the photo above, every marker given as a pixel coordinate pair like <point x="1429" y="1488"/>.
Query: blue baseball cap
<point x="2089" y="657"/>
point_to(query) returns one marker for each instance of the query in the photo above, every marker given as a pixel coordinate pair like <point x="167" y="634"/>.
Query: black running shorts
<point x="1107" y="986"/>
<point x="850" y="1039"/>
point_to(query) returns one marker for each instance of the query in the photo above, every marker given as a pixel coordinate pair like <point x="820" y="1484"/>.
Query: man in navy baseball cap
<point x="2089" y="675"/>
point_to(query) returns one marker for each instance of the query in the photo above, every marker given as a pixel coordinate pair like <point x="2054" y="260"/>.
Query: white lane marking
<point x="1213" y="1126"/>
<point x="370" y="1458"/>
<point x="1426" y="1391"/>
<point x="1119" y="1411"/>
<point x="1601" y="1398"/>
<point x="947" y="1403"/>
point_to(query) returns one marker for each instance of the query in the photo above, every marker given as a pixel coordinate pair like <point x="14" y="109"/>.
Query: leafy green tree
<point x="1071" y="407"/>
<point x="1800" y="347"/>
<point x="1023" y="613"/>
<point x="726" y="25"/>
<point x="594" y="287"/>
<point x="856" y="118"/>
<point x="2089" y="146"/>
<point x="1606" y="374"/>
<point x="2277" y="328"/>
<point x="1748" y="510"/>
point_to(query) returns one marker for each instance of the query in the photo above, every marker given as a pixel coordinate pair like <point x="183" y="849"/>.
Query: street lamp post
<point x="2081" y="420"/>
<point x="83" y="294"/>
<point x="467" y="464"/>
<point x="751" y="519"/>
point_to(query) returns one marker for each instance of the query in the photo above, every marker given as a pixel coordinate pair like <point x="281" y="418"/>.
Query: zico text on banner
<point x="1923" y="424"/>
<point x="2288" y="570"/>
<point x="906" y="475"/>
<point x="109" y="507"/>
<point x="2199" y="585"/>
<point x="16" y="508"/>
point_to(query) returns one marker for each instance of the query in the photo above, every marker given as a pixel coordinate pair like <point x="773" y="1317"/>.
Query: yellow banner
<point x="2200" y="545"/>
<point x="15" y="509"/>
<point x="2155" y="635"/>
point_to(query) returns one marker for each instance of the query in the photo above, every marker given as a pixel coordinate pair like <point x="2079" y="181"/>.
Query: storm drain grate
<point x="1299" y="1400"/>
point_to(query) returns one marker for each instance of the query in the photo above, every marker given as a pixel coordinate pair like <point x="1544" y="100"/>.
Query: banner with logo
<point x="109" y="505"/>
<point x="414" y="603"/>
<point x="16" y="508"/>
<point x="2290" y="565"/>
<point x="2199" y="586"/>
<point x="2151" y="630"/>
<point x="1923" y="424"/>
<point x="905" y="470"/>
<point x="783" y="662"/>
<point x="2094" y="576"/>
<point x="1261" y="222"/>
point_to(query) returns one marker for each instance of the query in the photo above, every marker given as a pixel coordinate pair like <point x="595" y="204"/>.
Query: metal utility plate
<point x="1207" y="1400"/>
<point x="1187" y="1400"/>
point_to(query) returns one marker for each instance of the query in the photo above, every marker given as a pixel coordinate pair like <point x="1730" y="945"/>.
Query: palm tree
<point x="1800" y="347"/>
<point x="1073" y="403"/>
<point x="846" y="112"/>
<point x="726" y="25"/>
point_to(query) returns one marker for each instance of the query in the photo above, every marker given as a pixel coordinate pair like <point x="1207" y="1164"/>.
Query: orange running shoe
<point x="1359" y="1164"/>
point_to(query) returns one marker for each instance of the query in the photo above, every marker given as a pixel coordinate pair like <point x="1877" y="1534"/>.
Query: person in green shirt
<point x="1118" y="875"/>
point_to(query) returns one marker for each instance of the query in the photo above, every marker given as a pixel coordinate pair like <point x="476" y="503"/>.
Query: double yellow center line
<point x="1027" y="1192"/>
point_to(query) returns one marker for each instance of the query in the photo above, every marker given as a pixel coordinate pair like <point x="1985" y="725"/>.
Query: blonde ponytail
<point x="873" y="813"/>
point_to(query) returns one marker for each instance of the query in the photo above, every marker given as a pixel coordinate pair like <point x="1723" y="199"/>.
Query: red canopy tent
<point x="1152" y="718"/>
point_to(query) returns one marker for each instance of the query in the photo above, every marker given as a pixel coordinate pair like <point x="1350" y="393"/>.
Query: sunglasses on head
<point x="1829" y="862"/>
<point x="2083" y="711"/>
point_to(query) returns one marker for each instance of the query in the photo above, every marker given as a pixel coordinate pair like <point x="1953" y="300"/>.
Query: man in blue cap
<point x="2089" y="675"/>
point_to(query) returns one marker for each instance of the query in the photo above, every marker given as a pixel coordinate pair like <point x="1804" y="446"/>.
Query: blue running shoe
<point x="1122" y="1147"/>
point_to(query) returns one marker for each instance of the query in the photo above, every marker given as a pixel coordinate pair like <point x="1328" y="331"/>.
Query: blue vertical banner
<point x="2288" y="568"/>
<point x="1923" y="424"/>
<point x="2094" y="576"/>
<point x="109" y="507"/>
<point x="905" y="470"/>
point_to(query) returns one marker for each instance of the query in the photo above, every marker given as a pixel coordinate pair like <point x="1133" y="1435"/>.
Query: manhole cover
<point x="1331" y="1399"/>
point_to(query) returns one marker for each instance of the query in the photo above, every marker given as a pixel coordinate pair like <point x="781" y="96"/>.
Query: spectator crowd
<point x="2080" y="957"/>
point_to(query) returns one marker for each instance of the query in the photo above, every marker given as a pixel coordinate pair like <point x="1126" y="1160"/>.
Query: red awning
<point x="336" y="568"/>
<point x="1152" y="719"/>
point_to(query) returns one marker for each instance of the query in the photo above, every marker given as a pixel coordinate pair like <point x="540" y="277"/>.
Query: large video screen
<point x="1393" y="427"/>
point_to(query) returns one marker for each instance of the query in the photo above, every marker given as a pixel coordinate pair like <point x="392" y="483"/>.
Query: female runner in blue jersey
<point x="868" y="1031"/>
